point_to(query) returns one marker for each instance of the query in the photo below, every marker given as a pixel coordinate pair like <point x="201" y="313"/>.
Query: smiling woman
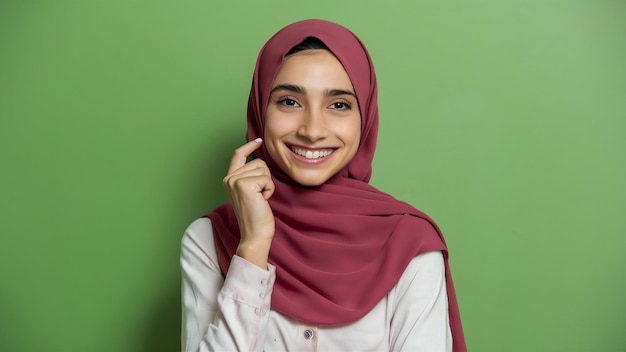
<point x="307" y="255"/>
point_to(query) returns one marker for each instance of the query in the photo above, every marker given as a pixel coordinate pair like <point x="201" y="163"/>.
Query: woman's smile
<point x="309" y="155"/>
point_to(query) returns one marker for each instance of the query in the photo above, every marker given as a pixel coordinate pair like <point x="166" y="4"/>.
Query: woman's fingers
<point x="241" y="154"/>
<point x="243" y="177"/>
<point x="250" y="186"/>
<point x="253" y="175"/>
<point x="257" y="180"/>
<point x="256" y="165"/>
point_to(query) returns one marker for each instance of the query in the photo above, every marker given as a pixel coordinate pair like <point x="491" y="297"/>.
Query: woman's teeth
<point x="309" y="154"/>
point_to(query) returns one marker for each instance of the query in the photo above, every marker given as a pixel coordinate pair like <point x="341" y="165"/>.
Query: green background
<point x="504" y="120"/>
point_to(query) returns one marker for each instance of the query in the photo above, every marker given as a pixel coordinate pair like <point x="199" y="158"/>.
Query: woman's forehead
<point x="314" y="66"/>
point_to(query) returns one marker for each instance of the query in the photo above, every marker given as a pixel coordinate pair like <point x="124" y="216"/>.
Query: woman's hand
<point x="250" y="186"/>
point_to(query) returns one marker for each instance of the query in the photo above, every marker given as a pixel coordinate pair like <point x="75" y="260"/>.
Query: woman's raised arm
<point x="220" y="314"/>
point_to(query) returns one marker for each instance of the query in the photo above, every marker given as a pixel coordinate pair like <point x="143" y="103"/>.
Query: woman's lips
<point x="312" y="155"/>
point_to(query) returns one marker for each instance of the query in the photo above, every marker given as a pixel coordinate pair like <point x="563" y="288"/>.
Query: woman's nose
<point x="313" y="126"/>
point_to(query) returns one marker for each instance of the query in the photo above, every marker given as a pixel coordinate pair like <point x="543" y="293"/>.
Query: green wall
<point x="504" y="120"/>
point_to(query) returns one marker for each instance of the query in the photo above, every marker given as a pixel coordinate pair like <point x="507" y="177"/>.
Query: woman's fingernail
<point x="258" y="140"/>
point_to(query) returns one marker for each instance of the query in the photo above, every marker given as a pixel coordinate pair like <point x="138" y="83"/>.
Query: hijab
<point x="339" y="247"/>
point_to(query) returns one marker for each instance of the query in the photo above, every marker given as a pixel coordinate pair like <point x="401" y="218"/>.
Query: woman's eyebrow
<point x="337" y="92"/>
<point x="288" y="87"/>
<point x="300" y="90"/>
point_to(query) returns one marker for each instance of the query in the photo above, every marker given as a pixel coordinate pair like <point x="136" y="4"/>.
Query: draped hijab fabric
<point x="340" y="247"/>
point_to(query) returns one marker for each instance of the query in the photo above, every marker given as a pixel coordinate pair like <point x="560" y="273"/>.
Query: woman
<point x="307" y="255"/>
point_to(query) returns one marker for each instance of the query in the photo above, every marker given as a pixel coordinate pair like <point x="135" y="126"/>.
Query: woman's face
<point x="313" y="122"/>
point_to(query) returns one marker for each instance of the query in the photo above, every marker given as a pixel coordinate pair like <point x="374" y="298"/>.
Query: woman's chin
<point x="310" y="179"/>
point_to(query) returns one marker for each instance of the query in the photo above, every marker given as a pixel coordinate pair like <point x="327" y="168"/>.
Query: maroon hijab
<point x="340" y="247"/>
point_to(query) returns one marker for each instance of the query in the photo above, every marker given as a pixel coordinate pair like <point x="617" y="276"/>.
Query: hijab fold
<point x="340" y="247"/>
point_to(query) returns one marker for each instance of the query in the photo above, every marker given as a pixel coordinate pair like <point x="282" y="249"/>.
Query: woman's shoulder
<point x="430" y="261"/>
<point x="199" y="236"/>
<point x="200" y="226"/>
<point x="427" y="269"/>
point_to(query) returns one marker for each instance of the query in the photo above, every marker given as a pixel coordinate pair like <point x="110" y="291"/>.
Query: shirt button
<point x="308" y="334"/>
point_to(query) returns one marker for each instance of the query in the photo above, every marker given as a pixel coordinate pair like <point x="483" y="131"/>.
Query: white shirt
<point x="234" y="313"/>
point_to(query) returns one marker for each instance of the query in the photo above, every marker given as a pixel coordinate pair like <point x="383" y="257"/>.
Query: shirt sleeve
<point x="420" y="319"/>
<point x="221" y="314"/>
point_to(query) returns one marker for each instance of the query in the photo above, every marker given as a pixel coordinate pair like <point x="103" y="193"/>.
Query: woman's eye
<point x="340" y="106"/>
<point x="288" y="102"/>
